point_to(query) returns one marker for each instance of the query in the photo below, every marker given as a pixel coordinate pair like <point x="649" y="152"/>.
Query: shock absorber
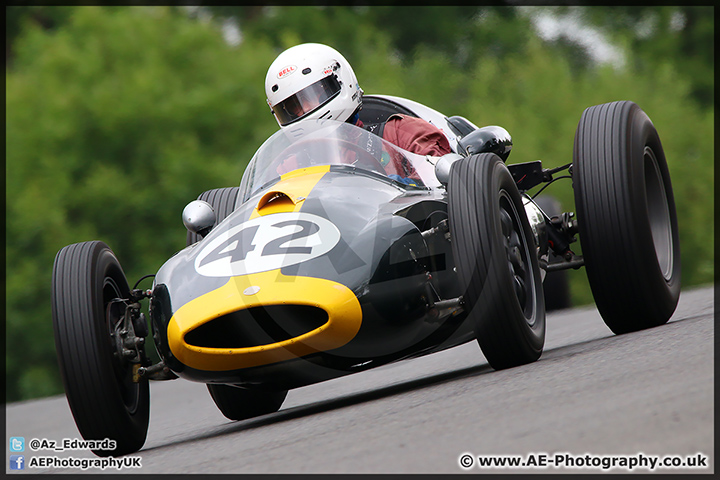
<point x="561" y="233"/>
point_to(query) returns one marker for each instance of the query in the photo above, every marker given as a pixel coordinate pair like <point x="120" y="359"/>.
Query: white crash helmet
<point x="312" y="81"/>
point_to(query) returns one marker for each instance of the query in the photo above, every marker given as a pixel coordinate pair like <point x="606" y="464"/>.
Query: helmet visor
<point x="307" y="100"/>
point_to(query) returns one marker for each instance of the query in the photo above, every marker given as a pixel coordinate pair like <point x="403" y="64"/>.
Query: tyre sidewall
<point x="611" y="197"/>
<point x="534" y="332"/>
<point x="85" y="351"/>
<point x="108" y="266"/>
<point x="475" y="188"/>
<point x="642" y="133"/>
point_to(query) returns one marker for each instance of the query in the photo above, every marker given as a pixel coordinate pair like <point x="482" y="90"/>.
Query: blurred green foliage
<point x="116" y="117"/>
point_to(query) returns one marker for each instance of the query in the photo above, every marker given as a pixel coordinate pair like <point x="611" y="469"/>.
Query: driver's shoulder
<point x="398" y="125"/>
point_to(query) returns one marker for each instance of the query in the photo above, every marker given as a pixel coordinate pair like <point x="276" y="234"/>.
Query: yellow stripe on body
<point x="295" y="185"/>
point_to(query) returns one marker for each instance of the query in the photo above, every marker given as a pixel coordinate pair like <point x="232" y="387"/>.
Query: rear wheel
<point x="238" y="403"/>
<point x="626" y="217"/>
<point x="222" y="201"/>
<point x="496" y="261"/>
<point x="103" y="398"/>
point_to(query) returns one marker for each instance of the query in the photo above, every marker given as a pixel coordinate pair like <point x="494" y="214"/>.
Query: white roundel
<point x="267" y="243"/>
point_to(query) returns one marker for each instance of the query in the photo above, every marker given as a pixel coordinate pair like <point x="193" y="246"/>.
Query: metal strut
<point x="159" y="371"/>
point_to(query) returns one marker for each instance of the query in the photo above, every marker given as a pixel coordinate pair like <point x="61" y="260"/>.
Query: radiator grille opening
<point x="257" y="326"/>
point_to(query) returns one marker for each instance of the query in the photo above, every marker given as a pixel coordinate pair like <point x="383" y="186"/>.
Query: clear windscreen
<point x="316" y="143"/>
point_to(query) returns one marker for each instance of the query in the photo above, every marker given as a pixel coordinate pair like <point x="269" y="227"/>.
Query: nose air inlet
<point x="229" y="329"/>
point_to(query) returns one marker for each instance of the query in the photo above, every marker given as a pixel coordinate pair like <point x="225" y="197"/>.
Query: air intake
<point x="276" y="199"/>
<point x="263" y="325"/>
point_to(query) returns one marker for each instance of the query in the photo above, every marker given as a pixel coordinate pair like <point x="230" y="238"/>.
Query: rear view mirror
<point x="199" y="217"/>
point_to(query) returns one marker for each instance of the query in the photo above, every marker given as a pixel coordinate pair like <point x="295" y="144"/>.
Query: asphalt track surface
<point x="591" y="393"/>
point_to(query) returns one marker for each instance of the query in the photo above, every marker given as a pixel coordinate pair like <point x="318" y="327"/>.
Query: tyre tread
<point x="609" y="193"/>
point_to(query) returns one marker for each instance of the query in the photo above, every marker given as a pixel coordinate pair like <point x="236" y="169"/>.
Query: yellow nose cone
<point x="266" y="289"/>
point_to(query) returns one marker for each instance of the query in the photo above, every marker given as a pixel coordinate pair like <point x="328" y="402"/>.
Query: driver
<point x="314" y="81"/>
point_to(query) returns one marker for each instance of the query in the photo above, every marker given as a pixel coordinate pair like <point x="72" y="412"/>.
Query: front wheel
<point x="626" y="217"/>
<point x="496" y="261"/>
<point x="103" y="398"/>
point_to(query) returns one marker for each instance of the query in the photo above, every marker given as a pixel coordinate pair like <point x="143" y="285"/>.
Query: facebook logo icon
<point x="17" y="462"/>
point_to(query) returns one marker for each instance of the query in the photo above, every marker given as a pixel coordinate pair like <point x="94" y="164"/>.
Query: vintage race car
<point x="339" y="252"/>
